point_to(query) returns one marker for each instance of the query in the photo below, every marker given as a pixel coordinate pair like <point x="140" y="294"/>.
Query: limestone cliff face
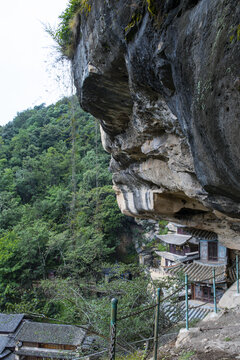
<point x="165" y="84"/>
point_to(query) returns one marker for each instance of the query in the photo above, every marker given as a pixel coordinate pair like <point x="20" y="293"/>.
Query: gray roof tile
<point x="11" y="356"/>
<point x="199" y="272"/>
<point x="10" y="322"/>
<point x="4" y="354"/>
<point x="50" y="333"/>
<point x="4" y="340"/>
<point x="175" y="239"/>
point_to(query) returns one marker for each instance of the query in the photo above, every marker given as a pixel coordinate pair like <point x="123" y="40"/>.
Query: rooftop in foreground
<point x="51" y="333"/>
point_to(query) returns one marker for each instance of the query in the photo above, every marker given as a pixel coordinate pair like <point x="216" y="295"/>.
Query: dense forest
<point x="60" y="227"/>
<point x="58" y="209"/>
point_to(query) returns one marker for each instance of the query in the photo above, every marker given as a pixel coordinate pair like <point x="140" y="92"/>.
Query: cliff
<point x="163" y="79"/>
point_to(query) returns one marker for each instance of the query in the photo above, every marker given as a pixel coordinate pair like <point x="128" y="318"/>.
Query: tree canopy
<point x="58" y="212"/>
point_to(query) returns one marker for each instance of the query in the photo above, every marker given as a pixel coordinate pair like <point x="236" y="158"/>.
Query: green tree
<point x="41" y="152"/>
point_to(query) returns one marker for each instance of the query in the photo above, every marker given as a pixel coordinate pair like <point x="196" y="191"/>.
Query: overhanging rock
<point x="165" y="84"/>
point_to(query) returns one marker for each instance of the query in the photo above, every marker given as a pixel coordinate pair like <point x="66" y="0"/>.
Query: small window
<point x="213" y="251"/>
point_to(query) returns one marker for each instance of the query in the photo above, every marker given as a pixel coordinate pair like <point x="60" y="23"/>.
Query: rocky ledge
<point x="163" y="79"/>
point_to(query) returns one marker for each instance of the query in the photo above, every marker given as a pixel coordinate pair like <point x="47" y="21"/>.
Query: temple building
<point x="197" y="254"/>
<point x="180" y="249"/>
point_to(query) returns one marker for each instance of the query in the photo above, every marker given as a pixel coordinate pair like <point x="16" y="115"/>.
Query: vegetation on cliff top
<point x="64" y="35"/>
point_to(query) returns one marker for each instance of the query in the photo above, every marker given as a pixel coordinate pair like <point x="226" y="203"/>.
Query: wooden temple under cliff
<point x="197" y="255"/>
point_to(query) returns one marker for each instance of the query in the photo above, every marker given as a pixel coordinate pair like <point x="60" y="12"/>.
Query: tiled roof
<point x="178" y="258"/>
<point x="50" y="333"/>
<point x="169" y="256"/>
<point x="4" y="354"/>
<point x="9" y="323"/>
<point x="201" y="234"/>
<point x="174" y="239"/>
<point x="175" y="270"/>
<point x="12" y="341"/>
<point x="11" y="356"/>
<point x="200" y="272"/>
<point x="178" y="314"/>
<point x="4" y="340"/>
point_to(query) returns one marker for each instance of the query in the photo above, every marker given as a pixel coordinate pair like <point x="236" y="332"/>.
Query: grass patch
<point x="227" y="338"/>
<point x="186" y="355"/>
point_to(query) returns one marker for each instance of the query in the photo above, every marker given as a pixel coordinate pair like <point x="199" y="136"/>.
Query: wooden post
<point x="214" y="291"/>
<point x="186" y="300"/>
<point x="155" y="356"/>
<point x="112" y="349"/>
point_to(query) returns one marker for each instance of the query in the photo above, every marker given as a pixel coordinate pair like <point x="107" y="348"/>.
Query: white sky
<point x="27" y="74"/>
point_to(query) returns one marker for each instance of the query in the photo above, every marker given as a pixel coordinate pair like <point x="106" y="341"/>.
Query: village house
<point x="37" y="341"/>
<point x="22" y="339"/>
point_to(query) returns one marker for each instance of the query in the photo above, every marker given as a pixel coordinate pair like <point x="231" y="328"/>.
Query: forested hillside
<point x="58" y="213"/>
<point x="65" y="248"/>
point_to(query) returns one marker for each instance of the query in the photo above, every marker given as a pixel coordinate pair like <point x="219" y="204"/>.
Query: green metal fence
<point x="165" y="318"/>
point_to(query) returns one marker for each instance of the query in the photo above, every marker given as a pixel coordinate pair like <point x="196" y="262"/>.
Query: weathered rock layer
<point x="164" y="82"/>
